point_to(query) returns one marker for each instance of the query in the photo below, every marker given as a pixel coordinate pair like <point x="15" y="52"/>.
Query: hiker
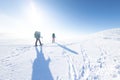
<point x="53" y="38"/>
<point x="37" y="36"/>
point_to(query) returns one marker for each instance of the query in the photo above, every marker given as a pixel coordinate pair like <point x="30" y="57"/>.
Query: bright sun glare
<point x="38" y="19"/>
<point x="35" y="19"/>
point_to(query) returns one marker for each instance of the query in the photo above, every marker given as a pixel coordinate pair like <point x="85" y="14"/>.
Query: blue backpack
<point x="37" y="35"/>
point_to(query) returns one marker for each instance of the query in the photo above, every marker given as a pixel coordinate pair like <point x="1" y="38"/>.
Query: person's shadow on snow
<point x="66" y="48"/>
<point x="40" y="67"/>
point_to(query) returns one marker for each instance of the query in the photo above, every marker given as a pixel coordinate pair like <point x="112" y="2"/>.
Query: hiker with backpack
<point x="37" y="36"/>
<point x="53" y="38"/>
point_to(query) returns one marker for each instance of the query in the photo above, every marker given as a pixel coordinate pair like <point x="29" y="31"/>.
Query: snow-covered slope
<point x="94" y="58"/>
<point x="109" y="34"/>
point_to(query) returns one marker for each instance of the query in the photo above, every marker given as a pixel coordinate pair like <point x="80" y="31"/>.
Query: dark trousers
<point x="37" y="41"/>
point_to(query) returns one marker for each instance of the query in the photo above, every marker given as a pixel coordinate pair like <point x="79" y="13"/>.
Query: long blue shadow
<point x="40" y="67"/>
<point x="64" y="47"/>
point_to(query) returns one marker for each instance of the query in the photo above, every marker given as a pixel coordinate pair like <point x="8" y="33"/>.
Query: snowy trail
<point x="72" y="70"/>
<point x="96" y="58"/>
<point x="9" y="63"/>
<point x="86" y="70"/>
<point x="42" y="61"/>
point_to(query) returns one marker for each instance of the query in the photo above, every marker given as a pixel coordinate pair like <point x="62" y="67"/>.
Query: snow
<point x="93" y="58"/>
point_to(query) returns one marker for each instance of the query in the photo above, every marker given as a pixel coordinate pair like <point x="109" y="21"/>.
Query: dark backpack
<point x="37" y="35"/>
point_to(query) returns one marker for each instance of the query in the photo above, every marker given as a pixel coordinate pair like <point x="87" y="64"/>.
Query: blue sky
<point x="85" y="15"/>
<point x="59" y="16"/>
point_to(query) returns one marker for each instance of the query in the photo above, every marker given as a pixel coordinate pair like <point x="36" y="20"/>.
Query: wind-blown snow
<point x="94" y="58"/>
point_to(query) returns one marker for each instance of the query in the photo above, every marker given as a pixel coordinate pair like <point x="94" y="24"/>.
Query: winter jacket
<point x="53" y="35"/>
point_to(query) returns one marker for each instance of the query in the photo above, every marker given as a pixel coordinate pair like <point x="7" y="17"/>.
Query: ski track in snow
<point x="72" y="73"/>
<point x="86" y="70"/>
<point x="9" y="63"/>
<point x="68" y="59"/>
<point x="85" y="67"/>
<point x="15" y="53"/>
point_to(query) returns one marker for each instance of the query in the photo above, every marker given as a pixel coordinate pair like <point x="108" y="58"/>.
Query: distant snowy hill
<point x="93" y="58"/>
<point x="109" y="34"/>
